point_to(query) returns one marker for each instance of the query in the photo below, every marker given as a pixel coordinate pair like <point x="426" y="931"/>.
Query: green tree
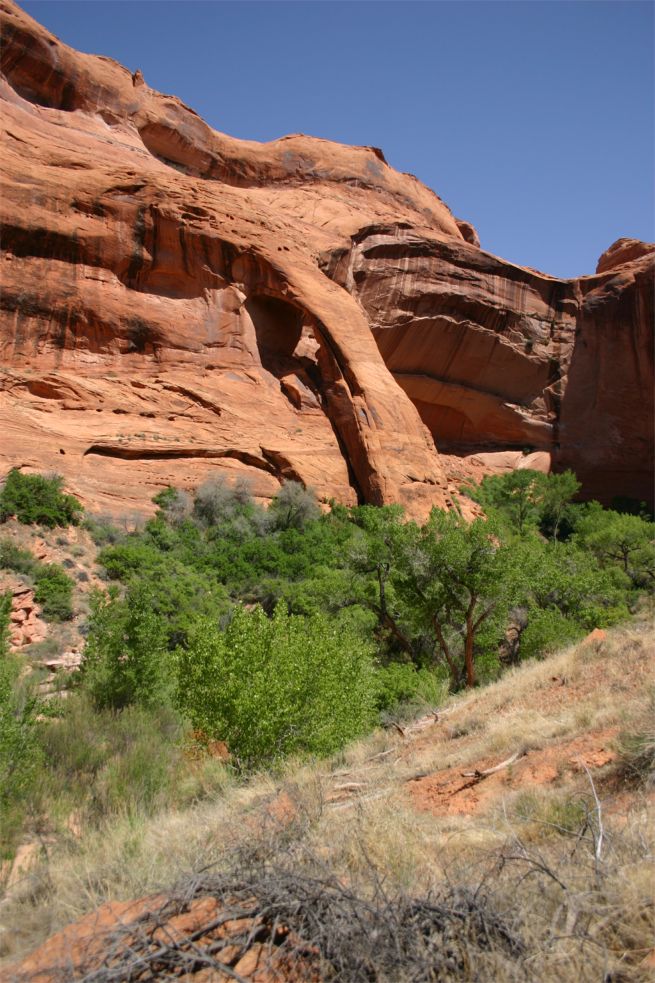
<point x="454" y="576"/>
<point x="375" y="559"/>
<point x="564" y="591"/>
<point x="619" y="539"/>
<point x="525" y="500"/>
<point x="126" y="658"/>
<point x="516" y="496"/>
<point x="558" y="491"/>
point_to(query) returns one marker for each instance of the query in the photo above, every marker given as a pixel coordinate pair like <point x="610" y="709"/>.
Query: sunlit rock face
<point x="497" y="357"/>
<point x="176" y="303"/>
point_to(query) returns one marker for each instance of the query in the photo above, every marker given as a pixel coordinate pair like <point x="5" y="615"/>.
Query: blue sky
<point x="532" y="120"/>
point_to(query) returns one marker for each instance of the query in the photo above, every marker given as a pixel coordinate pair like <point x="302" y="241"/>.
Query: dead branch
<point x="492" y="771"/>
<point x="599" y="813"/>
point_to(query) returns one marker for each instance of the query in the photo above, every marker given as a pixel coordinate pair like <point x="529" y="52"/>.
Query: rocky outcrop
<point x="176" y="303"/>
<point x="25" y="625"/>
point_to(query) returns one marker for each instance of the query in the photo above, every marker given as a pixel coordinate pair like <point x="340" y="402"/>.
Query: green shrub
<point x="547" y="630"/>
<point x="14" y="558"/>
<point x="293" y="507"/>
<point x="552" y="814"/>
<point x="35" y="499"/>
<point x="402" y="683"/>
<point x="637" y="748"/>
<point x="103" y="763"/>
<point x="53" y="589"/>
<point x="126" y="658"/>
<point x="269" y="687"/>
<point x="217" y="504"/>
<point x="102" y="530"/>
<point x="20" y="757"/>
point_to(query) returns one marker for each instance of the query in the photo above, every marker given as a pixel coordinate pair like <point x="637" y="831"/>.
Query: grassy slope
<point x="398" y="809"/>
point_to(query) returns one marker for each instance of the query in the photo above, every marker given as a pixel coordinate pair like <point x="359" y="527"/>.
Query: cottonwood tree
<point x="627" y="541"/>
<point x="454" y="576"/>
<point x="376" y="559"/>
<point x="525" y="500"/>
<point x="557" y="492"/>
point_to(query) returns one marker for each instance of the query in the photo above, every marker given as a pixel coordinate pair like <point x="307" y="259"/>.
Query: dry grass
<point x="531" y="851"/>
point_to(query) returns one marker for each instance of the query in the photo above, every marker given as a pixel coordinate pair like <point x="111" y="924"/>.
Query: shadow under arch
<point x="278" y="329"/>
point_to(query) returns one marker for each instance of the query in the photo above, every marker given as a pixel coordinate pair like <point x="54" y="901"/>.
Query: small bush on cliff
<point x="273" y="686"/>
<point x="35" y="499"/>
<point x="53" y="589"/>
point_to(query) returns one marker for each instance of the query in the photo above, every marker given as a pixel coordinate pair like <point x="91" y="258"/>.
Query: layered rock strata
<point x="176" y="303"/>
<point x="498" y="358"/>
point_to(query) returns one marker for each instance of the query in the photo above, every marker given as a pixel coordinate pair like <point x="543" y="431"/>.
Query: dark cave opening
<point x="278" y="327"/>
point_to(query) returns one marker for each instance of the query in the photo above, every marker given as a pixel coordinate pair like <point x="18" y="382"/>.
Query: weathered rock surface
<point x="498" y="358"/>
<point x="177" y="302"/>
<point x="25" y="624"/>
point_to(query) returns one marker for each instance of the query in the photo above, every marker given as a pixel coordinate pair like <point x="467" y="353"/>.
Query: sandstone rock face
<point x="176" y="303"/>
<point x="25" y="625"/>
<point x="504" y="362"/>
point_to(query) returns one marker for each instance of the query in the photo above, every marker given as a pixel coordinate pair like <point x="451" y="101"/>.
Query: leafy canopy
<point x="126" y="658"/>
<point x="273" y="686"/>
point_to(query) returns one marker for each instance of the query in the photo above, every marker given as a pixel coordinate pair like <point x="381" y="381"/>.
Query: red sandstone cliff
<point x="176" y="302"/>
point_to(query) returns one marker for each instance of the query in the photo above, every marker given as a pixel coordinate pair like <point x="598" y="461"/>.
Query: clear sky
<point x="532" y="120"/>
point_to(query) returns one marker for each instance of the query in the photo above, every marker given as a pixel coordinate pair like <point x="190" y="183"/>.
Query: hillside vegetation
<point x="231" y="639"/>
<point x="398" y="859"/>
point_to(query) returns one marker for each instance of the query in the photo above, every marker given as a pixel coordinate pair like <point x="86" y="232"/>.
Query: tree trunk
<point x="468" y="654"/>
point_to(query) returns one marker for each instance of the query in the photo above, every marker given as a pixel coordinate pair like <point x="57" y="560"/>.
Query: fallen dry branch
<point x="492" y="771"/>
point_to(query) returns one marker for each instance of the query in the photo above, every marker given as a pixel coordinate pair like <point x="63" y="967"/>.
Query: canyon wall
<point x="177" y="303"/>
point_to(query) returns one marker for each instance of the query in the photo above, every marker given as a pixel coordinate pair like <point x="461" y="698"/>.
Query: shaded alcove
<point x="278" y="328"/>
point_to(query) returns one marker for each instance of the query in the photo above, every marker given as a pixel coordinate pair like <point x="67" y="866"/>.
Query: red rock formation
<point x="498" y="358"/>
<point x="25" y="625"/>
<point x="176" y="302"/>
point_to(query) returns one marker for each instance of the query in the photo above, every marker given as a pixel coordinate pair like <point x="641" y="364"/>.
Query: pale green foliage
<point x="216" y="502"/>
<point x="293" y="507"/>
<point x="126" y="658"/>
<point x="269" y="687"/>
